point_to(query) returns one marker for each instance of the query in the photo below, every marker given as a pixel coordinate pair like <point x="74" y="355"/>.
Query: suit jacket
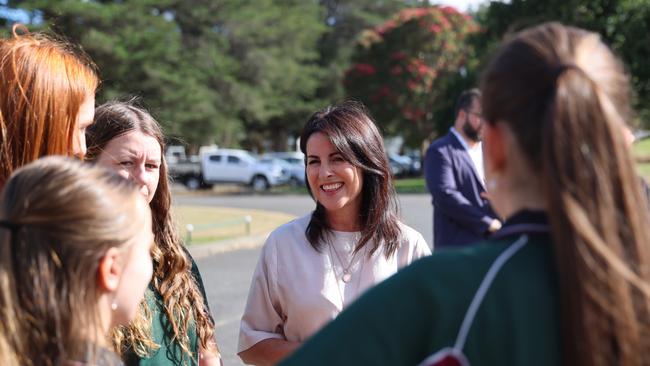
<point x="460" y="215"/>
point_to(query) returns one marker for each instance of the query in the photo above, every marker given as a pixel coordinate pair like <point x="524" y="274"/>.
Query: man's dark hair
<point x="465" y="100"/>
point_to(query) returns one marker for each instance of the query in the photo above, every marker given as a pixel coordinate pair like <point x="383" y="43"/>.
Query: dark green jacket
<point x="170" y="352"/>
<point x="419" y="311"/>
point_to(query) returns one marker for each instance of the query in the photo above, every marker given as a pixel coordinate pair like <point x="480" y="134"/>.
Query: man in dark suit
<point x="453" y="168"/>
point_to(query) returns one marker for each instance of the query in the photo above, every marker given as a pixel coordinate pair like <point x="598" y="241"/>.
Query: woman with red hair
<point x="47" y="101"/>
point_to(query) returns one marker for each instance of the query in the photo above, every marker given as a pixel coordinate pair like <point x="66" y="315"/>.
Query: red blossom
<point x="399" y="55"/>
<point x="410" y="13"/>
<point x="383" y="92"/>
<point x="387" y="26"/>
<point x="423" y="69"/>
<point x="364" y="69"/>
<point x="444" y="22"/>
<point x="448" y="10"/>
<point x="412" y="114"/>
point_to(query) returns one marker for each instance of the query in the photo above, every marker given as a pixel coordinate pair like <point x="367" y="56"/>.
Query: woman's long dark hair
<point x="565" y="97"/>
<point x="353" y="133"/>
<point x="182" y="298"/>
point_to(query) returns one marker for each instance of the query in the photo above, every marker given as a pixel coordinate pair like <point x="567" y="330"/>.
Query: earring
<point x="114" y="305"/>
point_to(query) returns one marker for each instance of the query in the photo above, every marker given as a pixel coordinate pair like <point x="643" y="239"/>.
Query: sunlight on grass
<point x="642" y="148"/>
<point x="410" y="185"/>
<point x="220" y="223"/>
<point x="644" y="170"/>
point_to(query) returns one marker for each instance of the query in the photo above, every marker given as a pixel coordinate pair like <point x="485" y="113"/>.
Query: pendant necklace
<point x="347" y="275"/>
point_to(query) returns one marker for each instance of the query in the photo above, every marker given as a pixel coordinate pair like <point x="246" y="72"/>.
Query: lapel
<point x="465" y="157"/>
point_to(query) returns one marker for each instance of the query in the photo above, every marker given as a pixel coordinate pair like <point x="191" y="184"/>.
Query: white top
<point x="475" y="153"/>
<point x="296" y="290"/>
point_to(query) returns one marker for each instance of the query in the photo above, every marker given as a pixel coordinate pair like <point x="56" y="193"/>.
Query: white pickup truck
<point x="231" y="166"/>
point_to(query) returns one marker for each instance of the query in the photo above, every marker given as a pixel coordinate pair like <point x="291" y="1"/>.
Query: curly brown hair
<point x="183" y="301"/>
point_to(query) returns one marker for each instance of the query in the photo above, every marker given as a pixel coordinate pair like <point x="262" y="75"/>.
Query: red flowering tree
<point x="402" y="69"/>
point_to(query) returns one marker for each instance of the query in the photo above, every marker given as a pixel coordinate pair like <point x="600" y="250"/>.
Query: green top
<point x="170" y="352"/>
<point x="419" y="311"/>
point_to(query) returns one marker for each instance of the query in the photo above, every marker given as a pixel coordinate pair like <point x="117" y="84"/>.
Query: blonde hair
<point x="59" y="219"/>
<point x="183" y="301"/>
<point x="566" y="98"/>
<point x="44" y="83"/>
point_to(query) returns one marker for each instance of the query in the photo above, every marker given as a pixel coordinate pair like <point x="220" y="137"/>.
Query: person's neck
<point x="523" y="196"/>
<point x="523" y="203"/>
<point x="344" y="220"/>
<point x="98" y="335"/>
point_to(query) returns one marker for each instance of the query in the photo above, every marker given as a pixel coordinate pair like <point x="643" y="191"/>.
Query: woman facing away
<point x="173" y="325"/>
<point x="315" y="266"/>
<point x="47" y="100"/>
<point x="567" y="279"/>
<point x="74" y="262"/>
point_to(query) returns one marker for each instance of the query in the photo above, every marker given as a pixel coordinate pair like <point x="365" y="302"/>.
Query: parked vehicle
<point x="239" y="166"/>
<point x="183" y="169"/>
<point x="225" y="166"/>
<point x="295" y="165"/>
<point x="403" y="165"/>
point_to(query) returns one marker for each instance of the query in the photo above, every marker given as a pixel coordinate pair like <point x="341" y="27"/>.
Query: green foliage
<point x="405" y="67"/>
<point x="245" y="73"/>
<point x="623" y="24"/>
<point x="209" y="71"/>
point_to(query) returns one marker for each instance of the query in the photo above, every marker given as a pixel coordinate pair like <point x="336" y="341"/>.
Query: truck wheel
<point x="192" y="183"/>
<point x="260" y="183"/>
<point x="294" y="182"/>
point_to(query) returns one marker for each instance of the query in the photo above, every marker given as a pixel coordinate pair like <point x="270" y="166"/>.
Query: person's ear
<point x="110" y="270"/>
<point x="461" y="116"/>
<point x="495" y="146"/>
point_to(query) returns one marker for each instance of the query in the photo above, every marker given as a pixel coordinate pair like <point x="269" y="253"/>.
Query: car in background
<point x="240" y="166"/>
<point x="404" y="165"/>
<point x="295" y="165"/>
<point x="214" y="165"/>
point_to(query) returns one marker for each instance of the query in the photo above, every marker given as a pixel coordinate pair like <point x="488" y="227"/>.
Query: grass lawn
<point x="644" y="170"/>
<point x="402" y="185"/>
<point x="642" y="148"/>
<point x="410" y="185"/>
<point x="220" y="223"/>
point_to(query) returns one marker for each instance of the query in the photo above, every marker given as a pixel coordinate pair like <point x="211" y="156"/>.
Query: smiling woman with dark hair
<point x="313" y="267"/>
<point x="565" y="281"/>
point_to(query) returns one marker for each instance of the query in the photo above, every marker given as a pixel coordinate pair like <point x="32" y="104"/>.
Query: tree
<point x="404" y="68"/>
<point x="623" y="24"/>
<point x="345" y="20"/>
<point x="209" y="70"/>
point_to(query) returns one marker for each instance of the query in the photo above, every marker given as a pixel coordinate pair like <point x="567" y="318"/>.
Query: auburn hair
<point x="44" y="83"/>
<point x="565" y="96"/>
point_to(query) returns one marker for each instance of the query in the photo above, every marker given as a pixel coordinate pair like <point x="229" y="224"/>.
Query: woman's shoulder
<point x="292" y="230"/>
<point x="414" y="239"/>
<point x="470" y="263"/>
<point x="409" y="233"/>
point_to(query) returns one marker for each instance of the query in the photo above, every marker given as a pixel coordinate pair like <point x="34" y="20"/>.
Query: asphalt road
<point x="227" y="276"/>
